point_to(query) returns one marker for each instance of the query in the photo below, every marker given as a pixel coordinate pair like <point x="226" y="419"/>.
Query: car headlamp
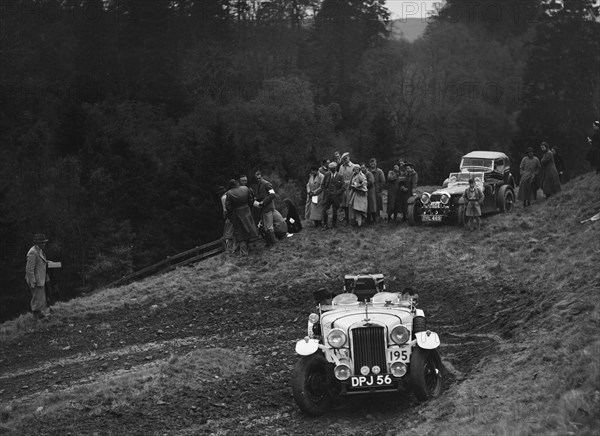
<point x="342" y="371"/>
<point x="400" y="335"/>
<point x="313" y="317"/>
<point x="337" y="338"/>
<point x="425" y="198"/>
<point x="445" y="198"/>
<point x="398" y="369"/>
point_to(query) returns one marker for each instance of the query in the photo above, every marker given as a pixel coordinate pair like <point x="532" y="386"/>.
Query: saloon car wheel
<point x="506" y="199"/>
<point x="309" y="385"/>
<point x="426" y="373"/>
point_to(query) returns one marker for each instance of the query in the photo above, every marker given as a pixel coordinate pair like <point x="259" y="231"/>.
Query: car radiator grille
<point x="368" y="348"/>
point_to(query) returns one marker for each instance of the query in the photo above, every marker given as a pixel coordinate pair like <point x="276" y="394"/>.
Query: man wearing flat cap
<point x="529" y="169"/>
<point x="345" y="169"/>
<point x="333" y="193"/>
<point x="36" y="275"/>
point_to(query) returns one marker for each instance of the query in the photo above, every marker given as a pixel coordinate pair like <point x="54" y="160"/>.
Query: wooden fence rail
<point x="195" y="254"/>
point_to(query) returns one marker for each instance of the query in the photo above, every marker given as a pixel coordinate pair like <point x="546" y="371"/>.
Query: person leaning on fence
<point x="238" y="203"/>
<point x="36" y="276"/>
<point x="473" y="197"/>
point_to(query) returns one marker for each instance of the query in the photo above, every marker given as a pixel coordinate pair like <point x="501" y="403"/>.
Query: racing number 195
<point x="399" y="354"/>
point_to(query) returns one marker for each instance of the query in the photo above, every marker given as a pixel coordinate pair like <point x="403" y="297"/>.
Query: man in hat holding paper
<point x="36" y="275"/>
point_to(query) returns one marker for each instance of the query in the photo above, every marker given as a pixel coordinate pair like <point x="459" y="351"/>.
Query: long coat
<point x="529" y="169"/>
<point x="314" y="210"/>
<point x="346" y="172"/>
<point x="371" y="193"/>
<point x="550" y="182"/>
<point x="357" y="193"/>
<point x="379" y="183"/>
<point x="393" y="187"/>
<point x="36" y="268"/>
<point x="239" y="202"/>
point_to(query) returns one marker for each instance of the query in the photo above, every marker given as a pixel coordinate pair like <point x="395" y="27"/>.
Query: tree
<point x="562" y="82"/>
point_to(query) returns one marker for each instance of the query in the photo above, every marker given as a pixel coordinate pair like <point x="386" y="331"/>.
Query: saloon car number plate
<point x="434" y="218"/>
<point x="367" y="381"/>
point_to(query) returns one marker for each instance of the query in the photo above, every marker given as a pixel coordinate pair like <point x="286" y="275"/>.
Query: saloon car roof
<point x="486" y="154"/>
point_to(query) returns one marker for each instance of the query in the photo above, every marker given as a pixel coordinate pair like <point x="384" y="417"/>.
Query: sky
<point x="402" y="9"/>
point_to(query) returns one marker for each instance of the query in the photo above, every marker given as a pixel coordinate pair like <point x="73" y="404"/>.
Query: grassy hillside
<point x="208" y="349"/>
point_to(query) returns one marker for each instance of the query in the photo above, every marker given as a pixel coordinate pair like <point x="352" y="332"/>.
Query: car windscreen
<point x="471" y="162"/>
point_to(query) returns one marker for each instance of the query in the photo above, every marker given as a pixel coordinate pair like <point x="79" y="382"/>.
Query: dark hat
<point x="529" y="150"/>
<point x="39" y="238"/>
<point x="409" y="164"/>
<point x="471" y="180"/>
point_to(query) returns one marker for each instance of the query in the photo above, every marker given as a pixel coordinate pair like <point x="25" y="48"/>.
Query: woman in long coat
<point x="550" y="182"/>
<point x="357" y="197"/>
<point x="314" y="197"/>
<point x="371" y="193"/>
<point x="529" y="169"/>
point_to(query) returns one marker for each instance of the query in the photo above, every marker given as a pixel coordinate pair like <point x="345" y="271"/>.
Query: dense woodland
<point x="119" y="118"/>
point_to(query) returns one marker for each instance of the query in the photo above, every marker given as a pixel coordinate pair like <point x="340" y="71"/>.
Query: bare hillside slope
<point x="208" y="349"/>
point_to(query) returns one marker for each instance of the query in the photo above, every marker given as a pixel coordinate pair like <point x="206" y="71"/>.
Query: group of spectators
<point x="356" y="190"/>
<point x="337" y="186"/>
<point x="545" y="173"/>
<point x="249" y="212"/>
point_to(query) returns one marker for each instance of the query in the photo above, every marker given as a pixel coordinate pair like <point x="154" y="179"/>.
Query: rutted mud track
<point x="261" y="330"/>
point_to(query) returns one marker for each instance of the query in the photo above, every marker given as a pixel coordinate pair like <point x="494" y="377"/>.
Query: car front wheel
<point x="309" y="385"/>
<point x="414" y="213"/>
<point x="426" y="373"/>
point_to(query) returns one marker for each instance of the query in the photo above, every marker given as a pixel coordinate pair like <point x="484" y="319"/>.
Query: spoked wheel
<point x="506" y="199"/>
<point x="426" y="373"/>
<point x="309" y="385"/>
<point x="414" y="213"/>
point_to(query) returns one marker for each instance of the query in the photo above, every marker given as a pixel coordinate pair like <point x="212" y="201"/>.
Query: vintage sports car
<point x="491" y="171"/>
<point x="365" y="340"/>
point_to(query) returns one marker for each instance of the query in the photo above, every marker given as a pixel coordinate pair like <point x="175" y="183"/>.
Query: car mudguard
<point x="412" y="199"/>
<point x="307" y="346"/>
<point x="427" y="340"/>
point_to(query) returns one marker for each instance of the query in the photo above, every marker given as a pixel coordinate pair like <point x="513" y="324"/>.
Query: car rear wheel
<point x="309" y="385"/>
<point x="506" y="199"/>
<point x="426" y="373"/>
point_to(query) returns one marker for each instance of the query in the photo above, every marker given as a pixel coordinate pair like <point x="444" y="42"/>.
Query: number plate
<point x="369" y="381"/>
<point x="432" y="218"/>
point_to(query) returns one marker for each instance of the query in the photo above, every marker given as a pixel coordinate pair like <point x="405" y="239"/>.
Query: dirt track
<point x="63" y="357"/>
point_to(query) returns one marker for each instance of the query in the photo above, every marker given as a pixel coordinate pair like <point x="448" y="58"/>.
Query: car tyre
<point x="426" y="373"/>
<point x="309" y="385"/>
<point x="414" y="213"/>
<point x="506" y="199"/>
